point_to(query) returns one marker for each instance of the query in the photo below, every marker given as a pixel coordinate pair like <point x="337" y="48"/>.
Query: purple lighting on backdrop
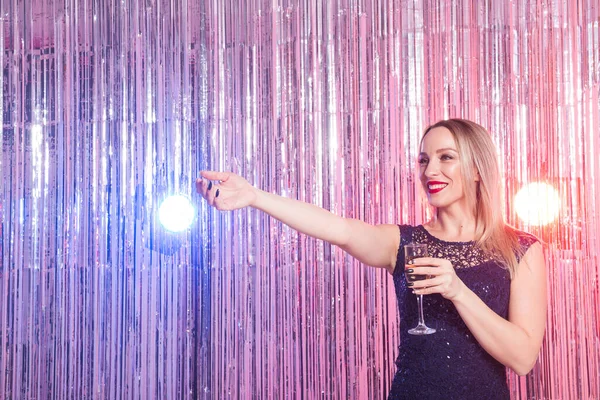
<point x="108" y="106"/>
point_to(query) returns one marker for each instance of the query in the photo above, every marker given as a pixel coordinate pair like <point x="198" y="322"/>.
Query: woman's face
<point x="440" y="169"/>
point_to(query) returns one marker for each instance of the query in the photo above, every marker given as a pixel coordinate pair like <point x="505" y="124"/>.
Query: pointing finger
<point x="200" y="186"/>
<point x="215" y="175"/>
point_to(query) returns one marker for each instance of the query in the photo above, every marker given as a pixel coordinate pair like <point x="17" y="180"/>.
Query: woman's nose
<point x="432" y="169"/>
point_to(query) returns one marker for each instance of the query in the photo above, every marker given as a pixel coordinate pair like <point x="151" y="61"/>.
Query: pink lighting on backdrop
<point x="109" y="105"/>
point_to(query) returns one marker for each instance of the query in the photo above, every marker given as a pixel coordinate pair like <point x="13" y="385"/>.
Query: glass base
<point x="421" y="330"/>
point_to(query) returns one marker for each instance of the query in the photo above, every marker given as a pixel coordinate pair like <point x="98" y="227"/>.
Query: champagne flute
<point x="412" y="251"/>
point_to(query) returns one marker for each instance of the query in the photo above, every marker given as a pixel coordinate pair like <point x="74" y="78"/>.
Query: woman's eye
<point x="446" y="157"/>
<point x="423" y="161"/>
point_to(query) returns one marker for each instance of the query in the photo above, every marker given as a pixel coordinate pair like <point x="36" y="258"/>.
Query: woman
<point x="486" y="285"/>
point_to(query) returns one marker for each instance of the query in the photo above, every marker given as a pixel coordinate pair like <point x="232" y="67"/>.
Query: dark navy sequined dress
<point x="449" y="364"/>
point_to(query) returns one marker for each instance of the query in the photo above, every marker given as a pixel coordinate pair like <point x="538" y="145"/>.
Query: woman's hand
<point x="225" y="190"/>
<point x="442" y="280"/>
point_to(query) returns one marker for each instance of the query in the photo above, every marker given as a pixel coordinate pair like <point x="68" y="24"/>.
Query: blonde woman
<point x="485" y="292"/>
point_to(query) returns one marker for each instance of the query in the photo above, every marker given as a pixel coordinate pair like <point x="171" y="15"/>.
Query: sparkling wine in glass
<point x="412" y="251"/>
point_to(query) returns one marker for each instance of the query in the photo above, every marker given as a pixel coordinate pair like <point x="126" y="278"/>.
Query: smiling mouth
<point x="435" y="187"/>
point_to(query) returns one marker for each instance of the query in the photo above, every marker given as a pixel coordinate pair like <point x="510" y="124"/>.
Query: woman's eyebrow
<point x="446" y="149"/>
<point x="439" y="151"/>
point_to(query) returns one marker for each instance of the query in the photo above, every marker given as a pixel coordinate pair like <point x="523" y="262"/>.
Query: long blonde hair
<point x="478" y="156"/>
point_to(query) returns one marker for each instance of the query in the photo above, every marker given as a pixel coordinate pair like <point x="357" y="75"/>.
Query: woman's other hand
<point x="225" y="190"/>
<point x="442" y="277"/>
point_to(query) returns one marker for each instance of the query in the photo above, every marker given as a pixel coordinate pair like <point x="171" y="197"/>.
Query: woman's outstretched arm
<point x="374" y="245"/>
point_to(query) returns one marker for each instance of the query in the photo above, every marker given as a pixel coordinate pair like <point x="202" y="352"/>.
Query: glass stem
<point x="420" y="304"/>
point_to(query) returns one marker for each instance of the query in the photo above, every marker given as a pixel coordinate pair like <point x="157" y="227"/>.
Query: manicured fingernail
<point x="410" y="284"/>
<point x="217" y="194"/>
<point x="209" y="185"/>
<point x="410" y="271"/>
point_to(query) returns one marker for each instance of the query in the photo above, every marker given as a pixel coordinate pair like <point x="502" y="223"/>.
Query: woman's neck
<point x="457" y="226"/>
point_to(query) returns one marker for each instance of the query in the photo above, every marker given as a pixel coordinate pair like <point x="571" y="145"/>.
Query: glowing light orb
<point x="537" y="203"/>
<point x="37" y="130"/>
<point x="176" y="213"/>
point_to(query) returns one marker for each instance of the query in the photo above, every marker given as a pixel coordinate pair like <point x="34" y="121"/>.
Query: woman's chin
<point x="433" y="202"/>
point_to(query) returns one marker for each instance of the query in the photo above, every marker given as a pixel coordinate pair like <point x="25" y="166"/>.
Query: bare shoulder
<point x="532" y="261"/>
<point x="391" y="233"/>
<point x="391" y="229"/>
<point x="373" y="245"/>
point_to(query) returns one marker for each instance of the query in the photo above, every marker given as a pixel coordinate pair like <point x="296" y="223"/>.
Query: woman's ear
<point x="477" y="178"/>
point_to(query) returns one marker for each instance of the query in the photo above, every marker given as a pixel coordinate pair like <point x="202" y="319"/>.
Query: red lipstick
<point x="436" y="186"/>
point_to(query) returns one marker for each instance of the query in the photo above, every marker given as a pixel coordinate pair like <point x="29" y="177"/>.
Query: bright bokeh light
<point x="37" y="130"/>
<point x="176" y="213"/>
<point x="537" y="203"/>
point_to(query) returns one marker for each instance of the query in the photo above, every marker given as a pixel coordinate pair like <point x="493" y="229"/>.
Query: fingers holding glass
<point x="427" y="284"/>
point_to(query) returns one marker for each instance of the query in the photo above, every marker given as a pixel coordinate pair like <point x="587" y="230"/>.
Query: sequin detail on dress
<point x="450" y="364"/>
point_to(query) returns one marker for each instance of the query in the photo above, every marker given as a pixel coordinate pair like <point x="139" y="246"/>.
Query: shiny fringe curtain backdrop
<point x="109" y="106"/>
